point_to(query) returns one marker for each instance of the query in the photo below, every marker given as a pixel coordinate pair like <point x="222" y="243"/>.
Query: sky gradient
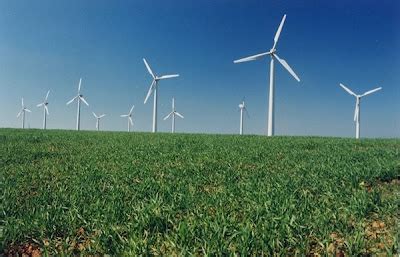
<point x="48" y="44"/>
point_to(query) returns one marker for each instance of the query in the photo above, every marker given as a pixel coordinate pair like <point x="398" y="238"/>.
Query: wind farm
<point x="297" y="178"/>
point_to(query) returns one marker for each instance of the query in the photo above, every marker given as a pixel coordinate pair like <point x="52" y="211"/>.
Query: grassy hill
<point x="140" y="193"/>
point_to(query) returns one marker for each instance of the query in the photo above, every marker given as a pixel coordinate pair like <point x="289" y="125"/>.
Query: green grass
<point x="140" y="193"/>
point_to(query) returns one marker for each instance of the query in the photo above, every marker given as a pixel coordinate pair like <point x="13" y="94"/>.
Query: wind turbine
<point x="98" y="120"/>
<point x="357" y="109"/>
<point x="153" y="89"/>
<point x="23" y="110"/>
<point x="79" y="98"/>
<point x="242" y="108"/>
<point x="273" y="55"/>
<point x="130" y="121"/>
<point x="45" y="109"/>
<point x="173" y="113"/>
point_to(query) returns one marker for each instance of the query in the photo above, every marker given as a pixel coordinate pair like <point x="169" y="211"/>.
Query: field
<point x="64" y="192"/>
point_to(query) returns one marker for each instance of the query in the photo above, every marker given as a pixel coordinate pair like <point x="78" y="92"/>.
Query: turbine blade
<point x="73" y="99"/>
<point x="27" y="110"/>
<point x="130" y="120"/>
<point x="149" y="69"/>
<point x="94" y="114"/>
<point x="101" y="116"/>
<point x="19" y="114"/>
<point x="150" y="91"/>
<point x="180" y="115"/>
<point x="287" y="67"/>
<point x="347" y="90"/>
<point x="247" y="113"/>
<point x="130" y="112"/>
<point x="83" y="100"/>
<point x="124" y="115"/>
<point x="22" y="102"/>
<point x="79" y="87"/>
<point x="169" y="114"/>
<point x="47" y="95"/>
<point x="40" y="105"/>
<point x="169" y="76"/>
<point x="251" y="58"/>
<point x="371" y="91"/>
<point x="278" y="32"/>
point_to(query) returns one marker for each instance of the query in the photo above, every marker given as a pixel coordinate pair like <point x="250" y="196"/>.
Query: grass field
<point x="162" y="194"/>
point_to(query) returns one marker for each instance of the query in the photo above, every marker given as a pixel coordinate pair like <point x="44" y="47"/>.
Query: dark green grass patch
<point x="141" y="193"/>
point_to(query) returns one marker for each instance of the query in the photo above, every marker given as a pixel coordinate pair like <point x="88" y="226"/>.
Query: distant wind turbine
<point x="242" y="108"/>
<point x="153" y="89"/>
<point x="98" y="120"/>
<point x="45" y="109"/>
<point x="172" y="114"/>
<point x="79" y="98"/>
<point x="273" y="55"/>
<point x="23" y="110"/>
<point x="130" y="121"/>
<point x="357" y="109"/>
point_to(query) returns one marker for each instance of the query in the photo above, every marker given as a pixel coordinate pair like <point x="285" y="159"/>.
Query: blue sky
<point x="48" y="44"/>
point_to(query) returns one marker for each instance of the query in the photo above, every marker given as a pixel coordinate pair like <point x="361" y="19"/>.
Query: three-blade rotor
<point x="358" y="97"/>
<point x="272" y="53"/>
<point x="45" y="103"/>
<point x="156" y="78"/>
<point x="79" y="96"/>
<point x="129" y="115"/>
<point x="173" y="112"/>
<point x="243" y="107"/>
<point x="98" y="117"/>
<point x="23" y="108"/>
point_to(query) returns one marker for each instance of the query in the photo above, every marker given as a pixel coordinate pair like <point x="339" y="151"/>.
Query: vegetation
<point x="163" y="194"/>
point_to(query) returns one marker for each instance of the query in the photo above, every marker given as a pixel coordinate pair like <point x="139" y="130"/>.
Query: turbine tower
<point x="172" y="114"/>
<point x="79" y="98"/>
<point x="357" y="109"/>
<point x="45" y="109"/>
<point x="129" y="115"/>
<point x="22" y="111"/>
<point x="273" y="55"/>
<point x="242" y="108"/>
<point x="98" y="120"/>
<point x="154" y="89"/>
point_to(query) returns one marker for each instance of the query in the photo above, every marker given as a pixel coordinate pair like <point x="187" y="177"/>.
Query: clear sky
<point x="49" y="44"/>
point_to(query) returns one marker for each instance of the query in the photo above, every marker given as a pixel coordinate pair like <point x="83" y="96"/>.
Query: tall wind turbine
<point x="79" y="98"/>
<point x="173" y="113"/>
<point x="98" y="120"/>
<point x="242" y="108"/>
<point x="23" y="110"/>
<point x="273" y="55"/>
<point x="153" y="89"/>
<point x="357" y="109"/>
<point x="130" y="121"/>
<point x="45" y="109"/>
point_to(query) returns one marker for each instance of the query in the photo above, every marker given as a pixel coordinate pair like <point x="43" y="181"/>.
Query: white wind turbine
<point x="98" y="120"/>
<point x="45" y="109"/>
<point x="173" y="113"/>
<point x="242" y="108"/>
<point x="273" y="55"/>
<point x="23" y="110"/>
<point x="129" y="115"/>
<point x="79" y="98"/>
<point x="153" y="89"/>
<point x="357" y="109"/>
